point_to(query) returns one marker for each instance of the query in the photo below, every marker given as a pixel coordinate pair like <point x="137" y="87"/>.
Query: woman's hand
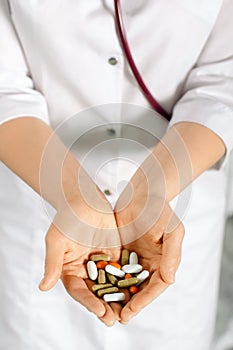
<point x="79" y="230"/>
<point x="149" y="227"/>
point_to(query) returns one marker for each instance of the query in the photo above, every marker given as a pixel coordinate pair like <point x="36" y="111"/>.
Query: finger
<point x="112" y="310"/>
<point x="116" y="308"/>
<point x="144" y="297"/>
<point x="53" y="260"/>
<point x="79" y="291"/>
<point x="112" y="313"/>
<point x="171" y="253"/>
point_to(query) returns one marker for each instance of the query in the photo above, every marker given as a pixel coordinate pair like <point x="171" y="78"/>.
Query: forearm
<point x="32" y="151"/>
<point x="186" y="150"/>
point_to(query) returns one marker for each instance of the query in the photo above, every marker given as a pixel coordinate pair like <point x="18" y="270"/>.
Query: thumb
<point x="53" y="260"/>
<point x="171" y="253"/>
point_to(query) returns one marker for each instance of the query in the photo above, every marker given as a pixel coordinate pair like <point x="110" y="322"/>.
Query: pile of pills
<point x="110" y="277"/>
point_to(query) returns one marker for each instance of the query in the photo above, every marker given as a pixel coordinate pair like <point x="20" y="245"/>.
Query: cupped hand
<point x="77" y="231"/>
<point x="149" y="227"/>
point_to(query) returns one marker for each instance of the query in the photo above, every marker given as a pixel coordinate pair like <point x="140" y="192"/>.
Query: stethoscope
<point x="125" y="45"/>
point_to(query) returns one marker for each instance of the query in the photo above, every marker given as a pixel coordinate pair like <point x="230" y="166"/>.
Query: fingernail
<point x="40" y="284"/>
<point x="127" y="316"/>
<point x="42" y="281"/>
<point x="171" y="277"/>
<point x="123" y="322"/>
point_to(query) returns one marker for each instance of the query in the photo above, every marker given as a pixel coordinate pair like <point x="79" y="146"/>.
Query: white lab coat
<point x="53" y="65"/>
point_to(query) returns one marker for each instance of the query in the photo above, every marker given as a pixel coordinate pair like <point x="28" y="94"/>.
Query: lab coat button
<point x="111" y="131"/>
<point x="113" y="61"/>
<point x="107" y="192"/>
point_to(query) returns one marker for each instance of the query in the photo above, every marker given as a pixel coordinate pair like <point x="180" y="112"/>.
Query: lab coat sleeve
<point x="18" y="96"/>
<point x="207" y="98"/>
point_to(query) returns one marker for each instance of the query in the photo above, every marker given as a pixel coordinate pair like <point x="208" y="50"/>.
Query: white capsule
<point x="92" y="270"/>
<point x="142" y="276"/>
<point x="133" y="258"/>
<point x="114" y="271"/>
<point x="114" y="297"/>
<point x="132" y="268"/>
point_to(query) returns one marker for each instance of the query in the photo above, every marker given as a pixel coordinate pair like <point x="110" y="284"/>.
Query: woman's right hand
<point x="84" y="222"/>
<point x="77" y="231"/>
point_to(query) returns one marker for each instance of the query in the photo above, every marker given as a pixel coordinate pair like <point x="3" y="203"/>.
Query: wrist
<point x="85" y="194"/>
<point x="169" y="168"/>
<point x="155" y="178"/>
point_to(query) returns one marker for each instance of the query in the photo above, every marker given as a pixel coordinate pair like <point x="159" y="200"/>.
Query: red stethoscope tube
<point x="125" y="45"/>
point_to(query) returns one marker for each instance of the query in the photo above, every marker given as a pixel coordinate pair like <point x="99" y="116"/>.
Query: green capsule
<point x="101" y="292"/>
<point x="124" y="257"/>
<point x="96" y="287"/>
<point x="112" y="279"/>
<point x="101" y="277"/>
<point x="127" y="282"/>
<point x="100" y="257"/>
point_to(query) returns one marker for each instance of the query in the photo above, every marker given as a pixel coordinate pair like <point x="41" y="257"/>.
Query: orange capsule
<point x="101" y="264"/>
<point x="133" y="289"/>
<point x="118" y="266"/>
<point x="127" y="275"/>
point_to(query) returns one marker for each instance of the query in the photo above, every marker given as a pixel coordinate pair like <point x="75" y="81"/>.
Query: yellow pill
<point x="101" y="277"/>
<point x="124" y="257"/>
<point x="96" y="287"/>
<point x="101" y="292"/>
<point x="128" y="282"/>
<point x="100" y="257"/>
<point x="112" y="279"/>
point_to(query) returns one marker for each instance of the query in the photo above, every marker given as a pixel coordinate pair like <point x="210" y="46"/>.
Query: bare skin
<point x="144" y="218"/>
<point x="158" y="244"/>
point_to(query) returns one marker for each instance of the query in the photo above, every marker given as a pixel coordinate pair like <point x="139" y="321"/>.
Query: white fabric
<point x="230" y="186"/>
<point x="53" y="65"/>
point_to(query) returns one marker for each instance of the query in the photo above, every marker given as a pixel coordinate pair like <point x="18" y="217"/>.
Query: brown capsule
<point x="101" y="277"/>
<point x="128" y="282"/>
<point x="100" y="257"/>
<point x="101" y="292"/>
<point x="124" y="257"/>
<point x="97" y="287"/>
<point x="112" y="279"/>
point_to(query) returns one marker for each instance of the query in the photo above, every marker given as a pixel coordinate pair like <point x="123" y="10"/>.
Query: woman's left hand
<point x="148" y="226"/>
